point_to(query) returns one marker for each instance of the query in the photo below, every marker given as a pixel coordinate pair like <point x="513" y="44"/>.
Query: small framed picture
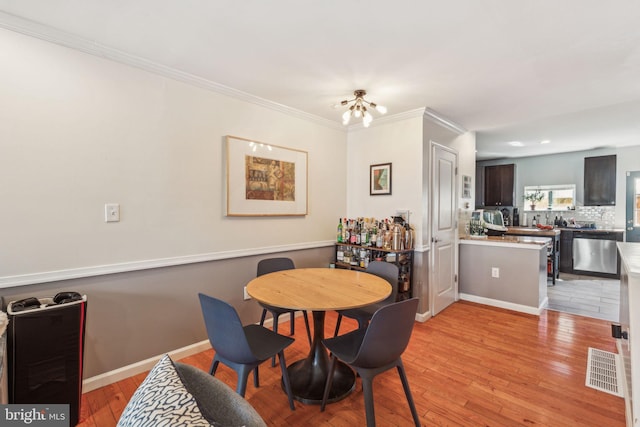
<point x="380" y="179"/>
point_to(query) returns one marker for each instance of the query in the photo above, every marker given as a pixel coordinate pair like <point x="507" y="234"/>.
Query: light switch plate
<point x="111" y="212"/>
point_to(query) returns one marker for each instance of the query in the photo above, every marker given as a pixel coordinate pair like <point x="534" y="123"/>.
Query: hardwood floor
<point x="471" y="365"/>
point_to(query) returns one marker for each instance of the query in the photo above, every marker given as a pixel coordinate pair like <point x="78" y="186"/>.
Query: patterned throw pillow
<point x="162" y="400"/>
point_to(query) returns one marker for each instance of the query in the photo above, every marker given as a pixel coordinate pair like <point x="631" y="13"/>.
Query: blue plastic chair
<point x="387" y="271"/>
<point x="270" y="265"/>
<point x="376" y="349"/>
<point x="242" y="348"/>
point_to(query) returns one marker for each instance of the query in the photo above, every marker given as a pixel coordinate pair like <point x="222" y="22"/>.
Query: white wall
<point x="78" y="131"/>
<point x="395" y="142"/>
<point x="465" y="144"/>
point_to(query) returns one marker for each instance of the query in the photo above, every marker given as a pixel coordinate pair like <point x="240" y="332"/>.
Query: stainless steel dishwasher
<point x="596" y="252"/>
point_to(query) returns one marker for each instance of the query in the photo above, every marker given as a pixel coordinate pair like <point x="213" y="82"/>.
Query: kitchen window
<point x="554" y="197"/>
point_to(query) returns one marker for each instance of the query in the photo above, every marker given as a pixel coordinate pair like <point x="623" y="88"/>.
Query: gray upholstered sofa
<point x="216" y="400"/>
<point x="180" y="395"/>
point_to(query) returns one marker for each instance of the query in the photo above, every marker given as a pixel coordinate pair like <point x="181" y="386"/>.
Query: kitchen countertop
<point x="593" y="230"/>
<point x="529" y="230"/>
<point x="523" y="242"/>
<point x="630" y="254"/>
<point x="557" y="230"/>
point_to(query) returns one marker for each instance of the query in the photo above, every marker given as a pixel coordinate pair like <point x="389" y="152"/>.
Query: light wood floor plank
<point x="471" y="365"/>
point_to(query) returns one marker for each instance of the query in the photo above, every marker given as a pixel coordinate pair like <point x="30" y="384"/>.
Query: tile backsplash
<point x="602" y="216"/>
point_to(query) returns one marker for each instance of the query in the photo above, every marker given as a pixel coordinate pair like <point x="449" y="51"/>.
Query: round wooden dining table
<point x="319" y="290"/>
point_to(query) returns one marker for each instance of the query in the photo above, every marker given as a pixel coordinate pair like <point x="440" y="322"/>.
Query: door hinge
<point x="455" y="278"/>
<point x="456" y="170"/>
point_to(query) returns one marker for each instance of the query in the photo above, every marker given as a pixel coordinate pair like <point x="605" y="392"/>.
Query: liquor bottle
<point x="374" y="234"/>
<point x="354" y="257"/>
<point x="345" y="232"/>
<point x="364" y="234"/>
<point x="362" y="258"/>
<point x="339" y="236"/>
<point x="380" y="238"/>
<point x="357" y="231"/>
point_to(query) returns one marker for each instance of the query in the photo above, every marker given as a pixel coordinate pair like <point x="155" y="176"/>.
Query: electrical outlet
<point x="246" y="294"/>
<point x="495" y="272"/>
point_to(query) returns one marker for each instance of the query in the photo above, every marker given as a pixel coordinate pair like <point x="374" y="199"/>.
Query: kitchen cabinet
<point x="600" y="181"/>
<point x="596" y="245"/>
<point x="499" y="185"/>
<point x="566" y="251"/>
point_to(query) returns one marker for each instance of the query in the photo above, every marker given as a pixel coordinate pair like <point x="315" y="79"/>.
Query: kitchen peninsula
<point x="553" y="268"/>
<point x="507" y="271"/>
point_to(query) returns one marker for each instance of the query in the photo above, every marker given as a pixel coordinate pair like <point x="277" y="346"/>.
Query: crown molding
<point x="52" y="35"/>
<point x="62" y="38"/>
<point x="439" y="119"/>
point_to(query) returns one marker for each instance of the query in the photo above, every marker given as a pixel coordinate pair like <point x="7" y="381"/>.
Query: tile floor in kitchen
<point x="585" y="295"/>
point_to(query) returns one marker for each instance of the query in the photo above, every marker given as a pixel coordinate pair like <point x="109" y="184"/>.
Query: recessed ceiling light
<point x="516" y="144"/>
<point x="546" y="141"/>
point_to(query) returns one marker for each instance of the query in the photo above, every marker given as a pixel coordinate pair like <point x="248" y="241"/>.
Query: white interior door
<point x="444" y="165"/>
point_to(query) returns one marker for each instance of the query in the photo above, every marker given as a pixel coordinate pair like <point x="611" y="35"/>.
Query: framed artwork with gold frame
<point x="265" y="179"/>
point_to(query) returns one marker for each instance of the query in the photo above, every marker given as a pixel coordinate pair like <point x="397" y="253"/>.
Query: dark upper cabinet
<point x="499" y="185"/>
<point x="600" y="181"/>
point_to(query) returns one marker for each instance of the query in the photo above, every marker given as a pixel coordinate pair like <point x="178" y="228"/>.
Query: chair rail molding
<point x="99" y="270"/>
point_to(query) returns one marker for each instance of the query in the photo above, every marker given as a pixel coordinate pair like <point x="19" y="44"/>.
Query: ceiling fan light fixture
<point x="358" y="108"/>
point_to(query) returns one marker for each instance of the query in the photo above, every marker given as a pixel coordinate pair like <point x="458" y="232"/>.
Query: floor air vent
<point x="603" y="372"/>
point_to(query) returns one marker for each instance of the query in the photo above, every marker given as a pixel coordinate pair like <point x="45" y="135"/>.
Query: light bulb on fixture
<point x="381" y="109"/>
<point x="346" y="116"/>
<point x="358" y="108"/>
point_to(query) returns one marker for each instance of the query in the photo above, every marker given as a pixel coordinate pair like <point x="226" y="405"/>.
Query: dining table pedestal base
<point x="307" y="385"/>
<point x="309" y="375"/>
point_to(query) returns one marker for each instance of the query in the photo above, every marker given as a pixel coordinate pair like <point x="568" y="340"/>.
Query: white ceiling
<point x="565" y="70"/>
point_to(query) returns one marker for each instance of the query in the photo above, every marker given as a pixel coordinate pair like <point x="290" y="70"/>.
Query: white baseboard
<point x="628" y="408"/>
<point x="136" y="368"/>
<point x="120" y="374"/>
<point x="423" y="317"/>
<point x="503" y="304"/>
